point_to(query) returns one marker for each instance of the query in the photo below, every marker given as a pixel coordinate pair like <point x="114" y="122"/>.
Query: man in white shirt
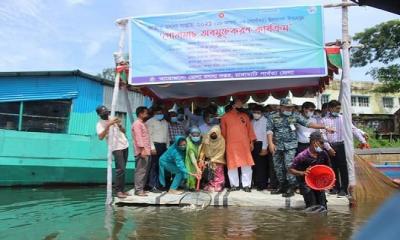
<point x="303" y="133"/>
<point x="260" y="169"/>
<point x="335" y="146"/>
<point x="159" y="139"/>
<point x="119" y="146"/>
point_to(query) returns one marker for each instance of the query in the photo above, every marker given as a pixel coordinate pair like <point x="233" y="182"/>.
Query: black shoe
<point x="278" y="191"/>
<point x="341" y="194"/>
<point x="233" y="189"/>
<point x="247" y="189"/>
<point x="155" y="190"/>
<point x="260" y="189"/>
<point x="333" y="191"/>
<point x="289" y="192"/>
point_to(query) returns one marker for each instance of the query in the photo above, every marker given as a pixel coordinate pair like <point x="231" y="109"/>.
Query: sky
<point x="45" y="35"/>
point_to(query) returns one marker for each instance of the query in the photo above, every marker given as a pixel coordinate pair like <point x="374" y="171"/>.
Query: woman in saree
<point x="192" y="156"/>
<point x="173" y="161"/>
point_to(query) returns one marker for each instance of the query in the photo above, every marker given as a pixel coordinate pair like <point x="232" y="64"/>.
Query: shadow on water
<point x="80" y="213"/>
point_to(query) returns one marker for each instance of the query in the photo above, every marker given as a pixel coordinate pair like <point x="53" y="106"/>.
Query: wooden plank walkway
<point x="238" y="199"/>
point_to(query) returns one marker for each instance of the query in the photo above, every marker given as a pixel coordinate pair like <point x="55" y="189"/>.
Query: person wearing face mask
<point x="214" y="153"/>
<point x="313" y="155"/>
<point x="324" y="110"/>
<point x="282" y="143"/>
<point x="173" y="162"/>
<point x="260" y="169"/>
<point x="175" y="127"/>
<point x="119" y="147"/>
<point x="336" y="148"/>
<point x="183" y="120"/>
<point x="193" y="149"/>
<point x="196" y="118"/>
<point x="303" y="133"/>
<point x="159" y="139"/>
<point x="239" y="136"/>
<point x="209" y="122"/>
<point x="141" y="143"/>
<point x="318" y="116"/>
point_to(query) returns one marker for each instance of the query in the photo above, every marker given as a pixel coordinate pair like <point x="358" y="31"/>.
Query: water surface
<point x="80" y="213"/>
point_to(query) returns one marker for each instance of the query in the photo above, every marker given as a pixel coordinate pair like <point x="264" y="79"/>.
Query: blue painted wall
<point x="37" y="88"/>
<point x="83" y="117"/>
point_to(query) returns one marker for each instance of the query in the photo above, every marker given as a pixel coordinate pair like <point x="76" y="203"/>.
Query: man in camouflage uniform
<point x="282" y="140"/>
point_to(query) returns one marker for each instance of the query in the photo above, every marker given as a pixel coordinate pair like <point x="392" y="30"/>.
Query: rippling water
<point x="80" y="213"/>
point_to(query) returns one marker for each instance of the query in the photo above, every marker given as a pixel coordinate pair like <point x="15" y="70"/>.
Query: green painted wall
<point x="35" y="158"/>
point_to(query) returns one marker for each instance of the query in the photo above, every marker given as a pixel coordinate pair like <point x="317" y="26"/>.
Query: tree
<point x="381" y="45"/>
<point x="107" y="73"/>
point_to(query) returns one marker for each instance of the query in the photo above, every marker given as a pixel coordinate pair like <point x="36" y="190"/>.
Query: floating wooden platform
<point x="238" y="199"/>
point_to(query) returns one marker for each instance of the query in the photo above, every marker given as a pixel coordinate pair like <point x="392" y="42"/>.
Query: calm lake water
<point x="80" y="213"/>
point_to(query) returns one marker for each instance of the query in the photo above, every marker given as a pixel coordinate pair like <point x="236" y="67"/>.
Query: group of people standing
<point x="255" y="147"/>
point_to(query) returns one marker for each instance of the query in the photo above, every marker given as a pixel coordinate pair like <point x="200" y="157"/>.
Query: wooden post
<point x="111" y="141"/>
<point x="346" y="96"/>
<point x="345" y="91"/>
<point x="112" y="135"/>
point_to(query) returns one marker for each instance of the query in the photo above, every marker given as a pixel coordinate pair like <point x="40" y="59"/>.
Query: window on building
<point x="359" y="101"/>
<point x="387" y="102"/>
<point x="39" y="116"/>
<point x="46" y="116"/>
<point x="353" y="101"/>
<point x="324" y="98"/>
<point x="363" y="101"/>
<point x="9" y="115"/>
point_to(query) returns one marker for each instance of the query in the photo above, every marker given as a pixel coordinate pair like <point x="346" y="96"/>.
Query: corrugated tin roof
<point x="58" y="73"/>
<point x="31" y="88"/>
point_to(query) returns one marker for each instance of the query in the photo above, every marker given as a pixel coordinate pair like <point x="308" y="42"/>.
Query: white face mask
<point x="257" y="116"/>
<point x="318" y="149"/>
<point x="309" y="114"/>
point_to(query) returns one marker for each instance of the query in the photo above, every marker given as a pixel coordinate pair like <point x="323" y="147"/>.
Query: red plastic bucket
<point x="320" y="177"/>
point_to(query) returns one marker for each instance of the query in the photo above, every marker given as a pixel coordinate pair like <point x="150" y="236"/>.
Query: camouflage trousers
<point x="282" y="161"/>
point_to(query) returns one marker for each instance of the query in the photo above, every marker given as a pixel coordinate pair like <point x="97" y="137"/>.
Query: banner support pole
<point x="112" y="135"/>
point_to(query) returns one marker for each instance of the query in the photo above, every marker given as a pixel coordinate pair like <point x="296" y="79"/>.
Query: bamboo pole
<point x="112" y="135"/>
<point x="111" y="140"/>
<point x="346" y="95"/>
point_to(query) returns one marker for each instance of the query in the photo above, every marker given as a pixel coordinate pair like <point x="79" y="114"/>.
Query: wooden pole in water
<point x="112" y="135"/>
<point x="111" y="141"/>
<point x="346" y="97"/>
<point x="345" y="92"/>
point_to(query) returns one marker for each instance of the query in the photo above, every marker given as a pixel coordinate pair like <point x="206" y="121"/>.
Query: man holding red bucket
<point x="307" y="164"/>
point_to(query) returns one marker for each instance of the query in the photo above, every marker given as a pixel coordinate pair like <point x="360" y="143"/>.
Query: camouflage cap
<point x="286" y="102"/>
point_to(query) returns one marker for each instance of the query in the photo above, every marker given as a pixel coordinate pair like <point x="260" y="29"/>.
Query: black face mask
<point x="104" y="116"/>
<point x="213" y="137"/>
<point x="242" y="110"/>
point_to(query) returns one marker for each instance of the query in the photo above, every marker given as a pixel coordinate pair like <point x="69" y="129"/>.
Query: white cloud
<point x="92" y="49"/>
<point x="78" y="2"/>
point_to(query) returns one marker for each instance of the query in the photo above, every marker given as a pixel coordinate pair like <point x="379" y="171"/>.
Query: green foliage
<point x="382" y="45"/>
<point x="389" y="76"/>
<point x="107" y="73"/>
<point x="380" y="143"/>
